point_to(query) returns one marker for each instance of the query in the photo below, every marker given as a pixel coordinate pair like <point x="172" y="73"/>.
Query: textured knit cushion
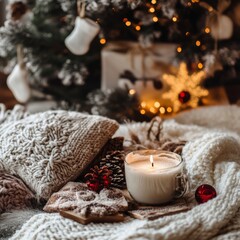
<point x="49" y="149"/>
<point x="13" y="193"/>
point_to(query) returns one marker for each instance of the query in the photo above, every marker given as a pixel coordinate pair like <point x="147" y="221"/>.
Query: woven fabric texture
<point x="46" y="150"/>
<point x="212" y="156"/>
<point x="13" y="193"/>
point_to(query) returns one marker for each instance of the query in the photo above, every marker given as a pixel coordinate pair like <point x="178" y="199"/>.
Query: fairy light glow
<point x="162" y="110"/>
<point x="151" y="10"/>
<point x="207" y="30"/>
<point x="155" y="19"/>
<point x="132" y="91"/>
<point x="157" y="104"/>
<point x="200" y="65"/>
<point x="138" y="28"/>
<point x="174" y="19"/>
<point x="188" y="83"/>
<point x="103" y="41"/>
<point x="198" y="43"/>
<point x="142" y="111"/>
<point x="179" y="49"/>
<point x="143" y="104"/>
<point x="153" y="110"/>
<point x="128" y="23"/>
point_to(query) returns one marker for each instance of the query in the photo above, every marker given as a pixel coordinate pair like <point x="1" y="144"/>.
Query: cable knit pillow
<point x="13" y="193"/>
<point x="46" y="150"/>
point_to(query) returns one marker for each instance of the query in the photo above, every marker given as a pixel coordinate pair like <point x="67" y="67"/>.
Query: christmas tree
<point x="55" y="46"/>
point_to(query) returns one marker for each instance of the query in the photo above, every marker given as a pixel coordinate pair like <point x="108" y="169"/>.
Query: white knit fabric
<point x="46" y="150"/>
<point x="212" y="156"/>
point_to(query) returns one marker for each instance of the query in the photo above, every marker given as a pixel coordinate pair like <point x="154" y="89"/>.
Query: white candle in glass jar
<point x="151" y="175"/>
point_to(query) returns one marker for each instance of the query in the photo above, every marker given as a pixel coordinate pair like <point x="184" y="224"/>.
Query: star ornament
<point x="185" y="90"/>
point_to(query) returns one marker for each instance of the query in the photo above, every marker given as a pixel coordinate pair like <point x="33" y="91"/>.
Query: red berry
<point x="184" y="96"/>
<point x="94" y="185"/>
<point x="204" y="193"/>
<point x="106" y="183"/>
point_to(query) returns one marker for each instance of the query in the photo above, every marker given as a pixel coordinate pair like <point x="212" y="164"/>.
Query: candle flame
<point x="151" y="160"/>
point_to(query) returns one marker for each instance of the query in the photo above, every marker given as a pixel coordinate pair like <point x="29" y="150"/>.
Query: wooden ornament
<point x="221" y="27"/>
<point x="86" y="220"/>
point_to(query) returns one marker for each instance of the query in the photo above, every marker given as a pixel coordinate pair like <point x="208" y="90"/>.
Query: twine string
<point x="81" y="6"/>
<point x="20" y="56"/>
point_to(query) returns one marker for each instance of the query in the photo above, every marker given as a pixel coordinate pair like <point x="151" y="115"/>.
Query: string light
<point x="157" y="104"/>
<point x="132" y="91"/>
<point x="138" y="28"/>
<point x="207" y="30"/>
<point x="151" y="10"/>
<point x="142" y="111"/>
<point x="154" y="1"/>
<point x="187" y="34"/>
<point x="174" y="19"/>
<point x="200" y="65"/>
<point x="198" y="43"/>
<point x="155" y="19"/>
<point x="103" y="41"/>
<point x="179" y="49"/>
<point x="143" y="104"/>
<point x="128" y="23"/>
<point x="153" y="110"/>
<point x="162" y="110"/>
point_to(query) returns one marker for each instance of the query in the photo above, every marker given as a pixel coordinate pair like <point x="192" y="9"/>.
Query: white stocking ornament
<point x="85" y="30"/>
<point x="17" y="81"/>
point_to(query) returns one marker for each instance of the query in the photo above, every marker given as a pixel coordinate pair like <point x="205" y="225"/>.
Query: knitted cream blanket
<point x="212" y="156"/>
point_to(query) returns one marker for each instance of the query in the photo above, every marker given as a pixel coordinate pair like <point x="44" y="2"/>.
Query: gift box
<point x="126" y="64"/>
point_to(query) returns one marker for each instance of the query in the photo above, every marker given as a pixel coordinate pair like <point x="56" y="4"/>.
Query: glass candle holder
<point x="154" y="176"/>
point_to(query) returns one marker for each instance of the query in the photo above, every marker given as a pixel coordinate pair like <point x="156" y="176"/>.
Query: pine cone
<point x="114" y="144"/>
<point x="114" y="161"/>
